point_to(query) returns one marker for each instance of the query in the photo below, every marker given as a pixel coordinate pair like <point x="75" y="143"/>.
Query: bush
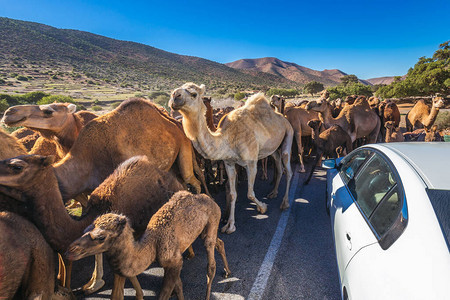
<point x="56" y="98"/>
<point x="96" y="101"/>
<point x="283" y="92"/>
<point x="162" y="100"/>
<point x="443" y="120"/>
<point x="115" y="104"/>
<point x="22" y="78"/>
<point x="96" y="107"/>
<point x="239" y="96"/>
<point x="3" y="105"/>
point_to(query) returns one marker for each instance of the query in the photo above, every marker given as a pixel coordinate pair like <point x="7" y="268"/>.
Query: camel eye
<point x="47" y="112"/>
<point x="194" y="95"/>
<point x="101" y="237"/>
<point x="16" y="168"/>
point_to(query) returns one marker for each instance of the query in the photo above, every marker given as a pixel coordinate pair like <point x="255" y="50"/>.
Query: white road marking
<point x="260" y="283"/>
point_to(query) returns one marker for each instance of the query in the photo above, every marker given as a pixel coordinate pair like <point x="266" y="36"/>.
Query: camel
<point x="135" y="127"/>
<point x="136" y="183"/>
<point x="10" y="146"/>
<point x="27" y="263"/>
<point x="388" y="111"/>
<point x="374" y="102"/>
<point x="328" y="141"/>
<point x="358" y="120"/>
<point x="246" y="134"/>
<point x="393" y="133"/>
<point x="420" y="115"/>
<point x="298" y="118"/>
<point x="432" y="134"/>
<point x="174" y="227"/>
<point x="57" y="122"/>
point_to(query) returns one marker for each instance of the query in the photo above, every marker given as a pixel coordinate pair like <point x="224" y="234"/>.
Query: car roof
<point x="430" y="160"/>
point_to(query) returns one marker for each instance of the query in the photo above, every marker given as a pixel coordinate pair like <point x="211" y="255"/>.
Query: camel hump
<point x="258" y="100"/>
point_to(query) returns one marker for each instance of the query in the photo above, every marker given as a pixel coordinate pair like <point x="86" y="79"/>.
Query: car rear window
<point x="440" y="199"/>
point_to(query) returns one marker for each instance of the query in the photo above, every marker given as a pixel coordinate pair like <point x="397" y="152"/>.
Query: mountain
<point x="381" y="80"/>
<point x="98" y="59"/>
<point x="288" y="70"/>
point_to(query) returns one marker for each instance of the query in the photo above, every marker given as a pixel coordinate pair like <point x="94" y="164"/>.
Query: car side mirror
<point x="329" y="164"/>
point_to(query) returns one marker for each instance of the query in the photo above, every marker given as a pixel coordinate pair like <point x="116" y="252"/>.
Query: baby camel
<point x="327" y="141"/>
<point x="169" y="233"/>
<point x="393" y="133"/>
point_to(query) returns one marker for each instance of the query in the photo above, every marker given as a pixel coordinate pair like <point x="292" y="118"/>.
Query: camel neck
<point x="388" y="135"/>
<point x="326" y="116"/>
<point x="431" y="117"/>
<point x="68" y="134"/>
<point x="50" y="214"/>
<point x="210" y="118"/>
<point x="129" y="257"/>
<point x="209" y="144"/>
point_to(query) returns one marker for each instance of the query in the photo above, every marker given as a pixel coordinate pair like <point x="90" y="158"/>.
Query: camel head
<point x="350" y="99"/>
<point x="374" y="102"/>
<point x="318" y="105"/>
<point x="390" y="125"/>
<point x="276" y="100"/>
<point x="438" y="102"/>
<point x="325" y="94"/>
<point x="21" y="172"/>
<point x="188" y="98"/>
<point x="98" y="237"/>
<point x="50" y="116"/>
<point x="430" y="134"/>
<point x="314" y="124"/>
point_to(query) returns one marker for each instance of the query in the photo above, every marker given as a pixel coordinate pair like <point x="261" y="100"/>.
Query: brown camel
<point x="246" y="134"/>
<point x="135" y="183"/>
<point x="57" y="122"/>
<point x="388" y="111"/>
<point x="432" y="134"/>
<point x="169" y="233"/>
<point x="374" y="102"/>
<point x="27" y="263"/>
<point x="358" y="120"/>
<point x="393" y="133"/>
<point x="10" y="146"/>
<point x="327" y="142"/>
<point x="420" y="115"/>
<point x="135" y="127"/>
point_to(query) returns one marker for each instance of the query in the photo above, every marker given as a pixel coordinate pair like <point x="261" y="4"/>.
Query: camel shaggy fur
<point x="136" y="183"/>
<point x="421" y="116"/>
<point x="27" y="263"/>
<point x="26" y="137"/>
<point x="393" y="133"/>
<point x="246" y="134"/>
<point x="135" y="127"/>
<point x="169" y="233"/>
<point x="328" y="141"/>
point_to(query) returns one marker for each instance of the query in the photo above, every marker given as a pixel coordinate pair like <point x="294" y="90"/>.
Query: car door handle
<point x="349" y="240"/>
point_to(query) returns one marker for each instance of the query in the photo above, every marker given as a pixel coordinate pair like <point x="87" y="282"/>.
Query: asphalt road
<point x="278" y="255"/>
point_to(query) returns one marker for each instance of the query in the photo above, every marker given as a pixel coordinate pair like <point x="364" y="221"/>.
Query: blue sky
<point x="366" y="38"/>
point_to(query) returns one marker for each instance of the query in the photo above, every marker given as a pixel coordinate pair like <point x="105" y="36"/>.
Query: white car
<point x="389" y="206"/>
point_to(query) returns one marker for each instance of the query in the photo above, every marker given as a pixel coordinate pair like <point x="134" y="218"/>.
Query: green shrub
<point x="96" y="107"/>
<point x="443" y="120"/>
<point x="22" y="78"/>
<point x="56" y="98"/>
<point x="3" y="105"/>
<point x="162" y="100"/>
<point x="115" y="104"/>
<point x="239" y="96"/>
<point x="96" y="101"/>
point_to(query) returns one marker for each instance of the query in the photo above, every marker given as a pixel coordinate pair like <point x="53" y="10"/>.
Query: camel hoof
<point x="93" y="287"/>
<point x="189" y="256"/>
<point x="225" y="274"/>
<point x="284" y="205"/>
<point x="228" y="229"/>
<point x="262" y="209"/>
<point x="302" y="170"/>
<point x="272" y="195"/>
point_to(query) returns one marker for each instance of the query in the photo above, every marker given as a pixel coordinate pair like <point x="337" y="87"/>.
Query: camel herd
<point x="130" y="170"/>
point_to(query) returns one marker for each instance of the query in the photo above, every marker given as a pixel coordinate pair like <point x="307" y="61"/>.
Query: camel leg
<point x="298" y="139"/>
<point x="186" y="165"/>
<point x="220" y="246"/>
<point x="279" y="173"/>
<point x="118" y="287"/>
<point x="231" y="172"/>
<point x="373" y="136"/>
<point x="251" y="174"/>
<point x="190" y="253"/>
<point x="264" y="168"/>
<point x="96" y="282"/>
<point x="137" y="288"/>
<point x="61" y="271"/>
<point x="171" y="278"/>
<point x="286" y="159"/>
<point x="200" y="174"/>
<point x="221" y="171"/>
<point x="210" y="243"/>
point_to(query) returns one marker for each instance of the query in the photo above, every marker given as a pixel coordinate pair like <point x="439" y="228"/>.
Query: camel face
<point x="188" y="98"/>
<point x="317" y="105"/>
<point x="314" y="123"/>
<point x="21" y="170"/>
<point x="438" y="102"/>
<point x="98" y="237"/>
<point x="275" y="100"/>
<point x="50" y="116"/>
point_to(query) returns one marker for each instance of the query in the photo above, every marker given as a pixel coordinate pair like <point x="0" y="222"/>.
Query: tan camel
<point x="358" y="120"/>
<point x="420" y="115"/>
<point x="135" y="183"/>
<point x="169" y="233"/>
<point x="10" y="146"/>
<point x="27" y="263"/>
<point x="327" y="142"/>
<point x="26" y="137"/>
<point x="135" y="127"/>
<point x="393" y="133"/>
<point x="57" y="122"/>
<point x="432" y="134"/>
<point x="245" y="135"/>
<point x="374" y="102"/>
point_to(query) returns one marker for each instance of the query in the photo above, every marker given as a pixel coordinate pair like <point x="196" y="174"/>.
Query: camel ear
<point x="72" y="108"/>
<point x="202" y="89"/>
<point x="48" y="160"/>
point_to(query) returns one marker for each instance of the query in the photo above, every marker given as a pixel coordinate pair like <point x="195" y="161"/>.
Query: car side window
<point x="351" y="163"/>
<point x="377" y="193"/>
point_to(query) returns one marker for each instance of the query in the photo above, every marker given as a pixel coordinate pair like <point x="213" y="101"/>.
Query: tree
<point x="347" y="79"/>
<point x="313" y="87"/>
<point x="239" y="96"/>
